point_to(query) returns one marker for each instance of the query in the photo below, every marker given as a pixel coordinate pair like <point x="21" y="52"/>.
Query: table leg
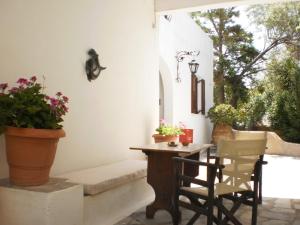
<point x="160" y="177"/>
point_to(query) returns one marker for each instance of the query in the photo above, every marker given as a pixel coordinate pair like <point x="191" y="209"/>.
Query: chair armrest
<point x="195" y="162"/>
<point x="181" y="178"/>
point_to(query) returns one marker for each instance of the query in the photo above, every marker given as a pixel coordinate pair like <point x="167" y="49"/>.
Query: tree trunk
<point x="219" y="74"/>
<point x="234" y="101"/>
<point x="219" y="90"/>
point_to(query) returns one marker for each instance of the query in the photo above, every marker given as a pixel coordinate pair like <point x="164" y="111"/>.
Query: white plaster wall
<point x="182" y="33"/>
<point x="51" y="38"/>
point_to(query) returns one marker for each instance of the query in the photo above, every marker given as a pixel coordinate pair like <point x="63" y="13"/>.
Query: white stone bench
<point x="99" y="179"/>
<point x="112" y="191"/>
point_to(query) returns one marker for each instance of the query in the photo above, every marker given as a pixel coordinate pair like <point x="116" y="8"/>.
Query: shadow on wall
<point x="3" y="162"/>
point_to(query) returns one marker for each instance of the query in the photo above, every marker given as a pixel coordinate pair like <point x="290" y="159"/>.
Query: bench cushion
<point x="105" y="177"/>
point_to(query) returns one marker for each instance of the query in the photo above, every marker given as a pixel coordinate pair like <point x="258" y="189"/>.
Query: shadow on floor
<point x="281" y="203"/>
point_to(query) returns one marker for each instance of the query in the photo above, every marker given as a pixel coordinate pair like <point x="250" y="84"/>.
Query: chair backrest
<point x="239" y="148"/>
<point x="250" y="135"/>
<point x="239" y="158"/>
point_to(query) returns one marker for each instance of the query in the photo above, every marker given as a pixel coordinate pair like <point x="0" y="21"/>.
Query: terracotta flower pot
<point x="221" y="131"/>
<point x="30" y="154"/>
<point x="164" y="138"/>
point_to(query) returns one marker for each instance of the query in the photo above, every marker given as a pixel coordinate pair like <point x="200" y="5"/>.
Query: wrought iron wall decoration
<point x="92" y="66"/>
<point x="180" y="56"/>
<point x="168" y="17"/>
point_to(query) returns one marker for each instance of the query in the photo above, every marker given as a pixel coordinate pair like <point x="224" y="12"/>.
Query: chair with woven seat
<point x="235" y="163"/>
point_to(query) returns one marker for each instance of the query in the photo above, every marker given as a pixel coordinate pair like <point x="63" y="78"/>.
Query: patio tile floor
<point x="268" y="214"/>
<point x="281" y="202"/>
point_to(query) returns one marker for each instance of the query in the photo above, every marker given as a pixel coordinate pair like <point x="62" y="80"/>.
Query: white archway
<point x="167" y="84"/>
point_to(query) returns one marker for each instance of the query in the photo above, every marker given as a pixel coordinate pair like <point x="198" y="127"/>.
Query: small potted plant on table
<point x="166" y="133"/>
<point x="222" y="116"/>
<point x="30" y="121"/>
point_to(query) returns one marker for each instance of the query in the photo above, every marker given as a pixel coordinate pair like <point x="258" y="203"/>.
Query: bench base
<point x="55" y="203"/>
<point x="116" y="204"/>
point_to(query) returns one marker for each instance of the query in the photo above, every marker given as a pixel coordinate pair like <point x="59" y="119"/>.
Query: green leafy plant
<point x="26" y="106"/>
<point x="165" y="129"/>
<point x="250" y="115"/>
<point x="283" y="91"/>
<point x="222" y="114"/>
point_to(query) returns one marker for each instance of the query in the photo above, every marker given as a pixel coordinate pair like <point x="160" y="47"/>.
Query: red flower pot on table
<point x="187" y="137"/>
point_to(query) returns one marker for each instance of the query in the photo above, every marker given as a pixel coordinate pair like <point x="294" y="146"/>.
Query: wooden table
<point x="160" y="172"/>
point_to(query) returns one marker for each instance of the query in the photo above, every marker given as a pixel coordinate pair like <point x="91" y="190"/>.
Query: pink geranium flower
<point x="162" y="121"/>
<point x="54" y="102"/>
<point x="23" y="81"/>
<point x="33" y="78"/>
<point x="65" y="98"/>
<point x="3" y="86"/>
<point x="13" y="90"/>
<point x="182" y="125"/>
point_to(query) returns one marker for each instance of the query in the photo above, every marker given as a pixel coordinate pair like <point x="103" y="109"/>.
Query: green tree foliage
<point x="281" y="23"/>
<point x="234" y="52"/>
<point x="251" y="113"/>
<point x="283" y="97"/>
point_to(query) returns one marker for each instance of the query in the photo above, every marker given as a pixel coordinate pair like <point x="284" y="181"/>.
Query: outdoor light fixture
<point x="180" y="56"/>
<point x="193" y="66"/>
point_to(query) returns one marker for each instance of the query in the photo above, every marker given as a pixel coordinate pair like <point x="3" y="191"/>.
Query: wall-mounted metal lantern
<point x="195" y="92"/>
<point x="180" y="56"/>
<point x="193" y="66"/>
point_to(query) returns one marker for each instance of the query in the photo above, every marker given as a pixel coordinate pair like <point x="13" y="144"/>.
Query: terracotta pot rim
<point x="223" y="125"/>
<point x="163" y="135"/>
<point x="34" y="133"/>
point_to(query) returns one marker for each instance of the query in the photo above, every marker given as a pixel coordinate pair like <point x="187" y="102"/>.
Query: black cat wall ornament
<point x="92" y="66"/>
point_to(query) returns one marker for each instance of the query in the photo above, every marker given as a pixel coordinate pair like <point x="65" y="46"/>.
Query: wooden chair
<point x="242" y="160"/>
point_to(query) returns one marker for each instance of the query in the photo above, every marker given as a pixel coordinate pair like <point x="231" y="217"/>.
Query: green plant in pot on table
<point x="222" y="116"/>
<point x="166" y="132"/>
<point x="31" y="123"/>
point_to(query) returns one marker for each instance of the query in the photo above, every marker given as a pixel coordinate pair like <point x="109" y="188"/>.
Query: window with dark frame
<point x="197" y="95"/>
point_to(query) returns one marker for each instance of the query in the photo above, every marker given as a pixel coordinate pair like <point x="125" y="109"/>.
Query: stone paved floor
<point x="281" y="205"/>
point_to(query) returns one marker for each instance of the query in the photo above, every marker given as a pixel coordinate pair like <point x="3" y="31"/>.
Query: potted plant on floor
<point x="222" y="116"/>
<point x="166" y="133"/>
<point x="30" y="121"/>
